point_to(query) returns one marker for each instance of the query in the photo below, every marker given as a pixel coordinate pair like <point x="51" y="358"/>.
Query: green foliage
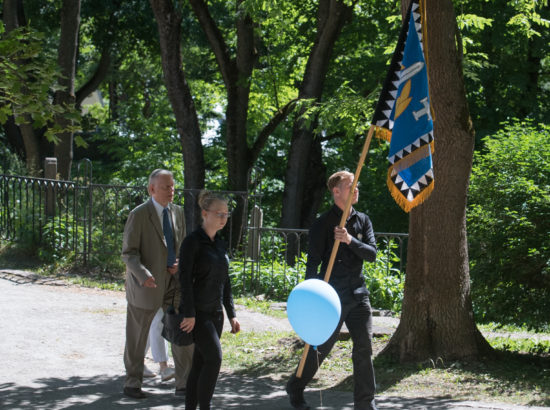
<point x="274" y="279"/>
<point x="509" y="226"/>
<point x="525" y="346"/>
<point x="506" y="63"/>
<point x="385" y="281"/>
<point x="10" y="162"/>
<point x="28" y="79"/>
<point x="57" y="240"/>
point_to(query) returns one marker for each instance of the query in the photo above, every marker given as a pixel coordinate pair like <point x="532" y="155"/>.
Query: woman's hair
<point x="207" y="198"/>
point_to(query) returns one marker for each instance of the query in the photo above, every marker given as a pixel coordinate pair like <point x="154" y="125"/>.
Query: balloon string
<point x="319" y="365"/>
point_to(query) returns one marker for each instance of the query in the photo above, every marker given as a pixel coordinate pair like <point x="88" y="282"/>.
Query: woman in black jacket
<point x="205" y="286"/>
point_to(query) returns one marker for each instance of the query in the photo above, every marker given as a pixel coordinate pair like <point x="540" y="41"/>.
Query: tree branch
<point x="215" y="38"/>
<point x="269" y="128"/>
<point x="97" y="78"/>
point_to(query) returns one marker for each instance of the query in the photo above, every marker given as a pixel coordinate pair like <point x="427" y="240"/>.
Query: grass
<point x="511" y="378"/>
<point x="20" y="258"/>
<point x="258" y="304"/>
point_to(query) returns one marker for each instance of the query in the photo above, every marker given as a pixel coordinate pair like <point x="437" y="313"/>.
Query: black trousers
<point x="357" y="316"/>
<point x="207" y="360"/>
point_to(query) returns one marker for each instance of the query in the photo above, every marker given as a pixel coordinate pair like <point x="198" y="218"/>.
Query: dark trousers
<point x="358" y="318"/>
<point x="207" y="360"/>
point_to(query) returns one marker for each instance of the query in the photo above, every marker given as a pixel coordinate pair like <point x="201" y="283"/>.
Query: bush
<point x="385" y="281"/>
<point x="509" y="226"/>
<point x="275" y="279"/>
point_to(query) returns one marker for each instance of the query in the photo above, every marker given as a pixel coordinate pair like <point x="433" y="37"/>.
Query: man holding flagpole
<point x="404" y="117"/>
<point x="357" y="244"/>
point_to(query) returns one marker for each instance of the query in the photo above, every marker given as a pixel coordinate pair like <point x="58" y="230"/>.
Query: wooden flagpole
<point x="345" y="215"/>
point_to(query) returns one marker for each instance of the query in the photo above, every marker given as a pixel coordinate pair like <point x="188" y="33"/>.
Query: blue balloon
<point x="313" y="310"/>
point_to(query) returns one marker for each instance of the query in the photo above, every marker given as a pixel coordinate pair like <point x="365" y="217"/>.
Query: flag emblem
<point x="403" y="116"/>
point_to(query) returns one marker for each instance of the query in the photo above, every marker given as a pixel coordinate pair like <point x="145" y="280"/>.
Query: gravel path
<point x="62" y="347"/>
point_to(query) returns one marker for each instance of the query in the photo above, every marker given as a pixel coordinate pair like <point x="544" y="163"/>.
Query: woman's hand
<point x="187" y="324"/>
<point x="235" y="325"/>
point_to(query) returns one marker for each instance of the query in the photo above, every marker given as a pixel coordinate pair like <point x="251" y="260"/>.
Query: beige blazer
<point x="144" y="252"/>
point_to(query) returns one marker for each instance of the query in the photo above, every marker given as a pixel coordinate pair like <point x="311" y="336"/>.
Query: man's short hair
<point x="158" y="172"/>
<point x="337" y="177"/>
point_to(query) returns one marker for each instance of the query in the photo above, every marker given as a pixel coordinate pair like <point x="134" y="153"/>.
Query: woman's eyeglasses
<point x="221" y="215"/>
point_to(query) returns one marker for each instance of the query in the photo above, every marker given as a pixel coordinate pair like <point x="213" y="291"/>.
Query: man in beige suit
<point x="152" y="237"/>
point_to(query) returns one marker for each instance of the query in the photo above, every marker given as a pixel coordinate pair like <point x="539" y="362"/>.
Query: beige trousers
<point x="138" y="322"/>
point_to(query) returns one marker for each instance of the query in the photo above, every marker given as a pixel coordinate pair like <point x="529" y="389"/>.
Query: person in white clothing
<point x="159" y="349"/>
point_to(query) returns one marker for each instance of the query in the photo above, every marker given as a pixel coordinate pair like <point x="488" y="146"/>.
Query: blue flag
<point x="403" y="117"/>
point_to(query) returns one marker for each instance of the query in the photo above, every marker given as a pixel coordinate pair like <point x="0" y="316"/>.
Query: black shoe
<point x="180" y="392"/>
<point x="370" y="406"/>
<point x="297" y="400"/>
<point x="134" y="393"/>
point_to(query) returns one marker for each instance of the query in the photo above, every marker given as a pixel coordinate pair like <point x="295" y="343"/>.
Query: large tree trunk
<point x="437" y="319"/>
<point x="305" y="154"/>
<point x="179" y="94"/>
<point x="66" y="58"/>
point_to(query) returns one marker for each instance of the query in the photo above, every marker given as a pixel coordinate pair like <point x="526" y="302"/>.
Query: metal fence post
<point x="50" y="172"/>
<point x="256" y="222"/>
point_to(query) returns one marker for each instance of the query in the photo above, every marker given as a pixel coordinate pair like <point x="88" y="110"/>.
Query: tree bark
<point x="437" y="317"/>
<point x="305" y="151"/>
<point x="66" y="58"/>
<point x="179" y="94"/>
<point x="13" y="14"/>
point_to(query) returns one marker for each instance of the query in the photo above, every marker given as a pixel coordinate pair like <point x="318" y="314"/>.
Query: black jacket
<point x="347" y="271"/>
<point x="203" y="274"/>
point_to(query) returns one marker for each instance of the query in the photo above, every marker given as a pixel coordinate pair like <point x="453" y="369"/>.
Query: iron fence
<point x="279" y="267"/>
<point x="87" y="220"/>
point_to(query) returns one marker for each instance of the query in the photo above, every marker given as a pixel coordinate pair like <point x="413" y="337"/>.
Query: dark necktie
<point x="169" y="236"/>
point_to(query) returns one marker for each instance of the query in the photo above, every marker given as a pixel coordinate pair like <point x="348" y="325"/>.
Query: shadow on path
<point x="232" y="392"/>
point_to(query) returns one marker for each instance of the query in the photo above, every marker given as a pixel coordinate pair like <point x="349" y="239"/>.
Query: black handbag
<point x="171" y="330"/>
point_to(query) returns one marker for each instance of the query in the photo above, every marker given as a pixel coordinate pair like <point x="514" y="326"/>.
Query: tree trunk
<point x="12" y="14"/>
<point x="32" y="148"/>
<point x="331" y="17"/>
<point x="437" y="318"/>
<point x="179" y="94"/>
<point x="13" y="136"/>
<point x="317" y="184"/>
<point x="66" y="58"/>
